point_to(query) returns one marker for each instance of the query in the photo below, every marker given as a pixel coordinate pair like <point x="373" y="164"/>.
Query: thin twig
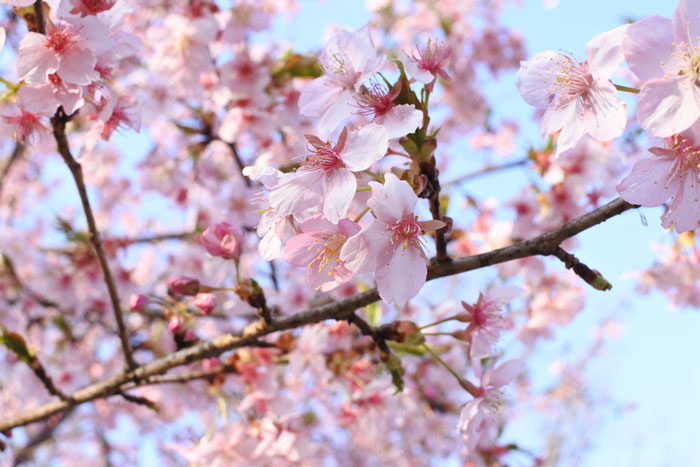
<point x="591" y="276"/>
<point x="26" y="452"/>
<point x="39" y="13"/>
<point x="59" y="130"/>
<point x="339" y="310"/>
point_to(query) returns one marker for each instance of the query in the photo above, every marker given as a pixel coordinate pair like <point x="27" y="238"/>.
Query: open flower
<point x="318" y="249"/>
<point x="673" y="173"/>
<point x="326" y="177"/>
<point x="429" y="63"/>
<point x="481" y="413"/>
<point x="578" y="96"/>
<point x="390" y="245"/>
<point x="663" y="53"/>
<point x="377" y="101"/>
<point x="348" y="60"/>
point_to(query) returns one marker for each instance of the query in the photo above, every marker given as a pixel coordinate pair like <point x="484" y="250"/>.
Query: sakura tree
<point x="257" y="255"/>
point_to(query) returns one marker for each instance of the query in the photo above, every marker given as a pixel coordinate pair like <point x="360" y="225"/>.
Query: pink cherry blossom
<point x="578" y="96"/>
<point x="663" y="54"/>
<point x="318" y="249"/>
<point x="428" y="63"/>
<point x="90" y="7"/>
<point x="33" y="103"/>
<point x="222" y="239"/>
<point x="68" y="49"/>
<point x="138" y="302"/>
<point x="486" y="321"/>
<point x="326" y="177"/>
<point x="114" y="113"/>
<point x="390" y="245"/>
<point x="17" y="3"/>
<point x="399" y="120"/>
<point x="481" y="413"/>
<point x="348" y="60"/>
<point x="673" y="173"/>
<point x="206" y="302"/>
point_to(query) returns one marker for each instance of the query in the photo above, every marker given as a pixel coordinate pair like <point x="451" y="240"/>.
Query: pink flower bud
<point x="222" y="239"/>
<point x="184" y="285"/>
<point x="206" y="303"/>
<point x="137" y="302"/>
<point x="175" y="323"/>
<point x="209" y="363"/>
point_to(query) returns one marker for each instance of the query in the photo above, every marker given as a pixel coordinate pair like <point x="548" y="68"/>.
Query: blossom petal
<point x="668" y="106"/>
<point x="401" y="120"/>
<point x="339" y="190"/>
<point x="392" y="200"/>
<point x="402" y="277"/>
<point x="365" y="147"/>
<point x="34" y="60"/>
<point x="504" y="373"/>
<point x="648" y="43"/>
<point x="78" y="67"/>
<point x="684" y="210"/>
<point x="651" y="182"/>
<point x="686" y="21"/>
<point x="605" y="115"/>
<point x="534" y="76"/>
<point x="604" y="52"/>
<point x="362" y="252"/>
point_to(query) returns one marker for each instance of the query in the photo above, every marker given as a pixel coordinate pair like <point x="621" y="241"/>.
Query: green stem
<point x="361" y="215"/>
<point x="626" y="89"/>
<point x="438" y="322"/>
<point x="364" y="188"/>
<point x="443" y="363"/>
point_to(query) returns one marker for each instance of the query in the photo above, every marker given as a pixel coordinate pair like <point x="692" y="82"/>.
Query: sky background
<point x="647" y="380"/>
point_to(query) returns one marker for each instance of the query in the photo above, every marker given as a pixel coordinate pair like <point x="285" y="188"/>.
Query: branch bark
<point x="544" y="244"/>
<point x="59" y="131"/>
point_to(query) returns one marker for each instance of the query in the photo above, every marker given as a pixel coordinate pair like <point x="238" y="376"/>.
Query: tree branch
<point x="486" y="170"/>
<point x="58" y="122"/>
<point x="543" y="244"/>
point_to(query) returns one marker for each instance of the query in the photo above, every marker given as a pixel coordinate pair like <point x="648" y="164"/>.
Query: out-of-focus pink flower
<point x="663" y="54"/>
<point x="91" y="7"/>
<point x="326" y="175"/>
<point x="222" y="239"/>
<point x="673" y="173"/>
<point x="486" y="322"/>
<point x="317" y="248"/>
<point x="18" y="3"/>
<point x="480" y="414"/>
<point x="184" y="285"/>
<point x="578" y="96"/>
<point x="429" y="62"/>
<point x="120" y="112"/>
<point x="69" y="49"/>
<point x="390" y="245"/>
<point x="206" y="302"/>
<point x="32" y="104"/>
<point x="137" y="302"/>
<point x="348" y="60"/>
<point x="175" y="323"/>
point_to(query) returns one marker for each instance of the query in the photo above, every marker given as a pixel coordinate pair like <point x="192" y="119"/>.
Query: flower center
<point x="375" y="99"/>
<point x="328" y="247"/>
<point x="688" y="60"/>
<point x="323" y="157"/>
<point x="61" y="39"/>
<point x="572" y="81"/>
<point x="405" y="232"/>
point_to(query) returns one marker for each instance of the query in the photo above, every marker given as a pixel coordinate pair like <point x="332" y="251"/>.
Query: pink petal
<point x="535" y="74"/>
<point x="316" y="96"/>
<point x="318" y="224"/>
<point x="365" y="147"/>
<point x="339" y="190"/>
<point x="556" y="116"/>
<point x="402" y="276"/>
<point x="78" y="67"/>
<point x="668" y="106"/>
<point x="647" y="43"/>
<point x="686" y="21"/>
<point x="504" y="373"/>
<point x="684" y="210"/>
<point x="340" y="108"/>
<point x="296" y="192"/>
<point x="401" y="120"/>
<point x="300" y="250"/>
<point x="393" y="200"/>
<point x="429" y="226"/>
<point x="362" y="253"/>
<point x="604" y="52"/>
<point x="348" y="228"/>
<point x="572" y="132"/>
<point x="3" y="35"/>
<point x="34" y="60"/>
<point x="651" y="182"/>
<point x="605" y="115"/>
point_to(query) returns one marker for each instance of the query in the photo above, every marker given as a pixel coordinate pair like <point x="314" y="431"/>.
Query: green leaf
<point x="374" y="313"/>
<point x="396" y="369"/>
<point x="16" y="344"/>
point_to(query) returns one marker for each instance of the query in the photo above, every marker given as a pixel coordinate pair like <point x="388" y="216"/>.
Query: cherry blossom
<point x="481" y="413"/>
<point x="326" y="175"/>
<point x="428" y="63"/>
<point x="348" y="60"/>
<point x="390" y="245"/>
<point x="318" y="249"/>
<point x="114" y="113"/>
<point x="222" y="239"/>
<point x="69" y="49"/>
<point x="398" y="120"/>
<point x="663" y="54"/>
<point x="578" y="96"/>
<point x="91" y="7"/>
<point x="673" y="173"/>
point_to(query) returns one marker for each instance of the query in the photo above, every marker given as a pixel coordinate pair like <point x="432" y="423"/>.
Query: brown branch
<point x="39" y="12"/>
<point x="58" y="122"/>
<point x="40" y="373"/>
<point x="341" y="310"/>
<point x="14" y="157"/>
<point x="181" y="377"/>
<point x="139" y="400"/>
<point x="486" y="170"/>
